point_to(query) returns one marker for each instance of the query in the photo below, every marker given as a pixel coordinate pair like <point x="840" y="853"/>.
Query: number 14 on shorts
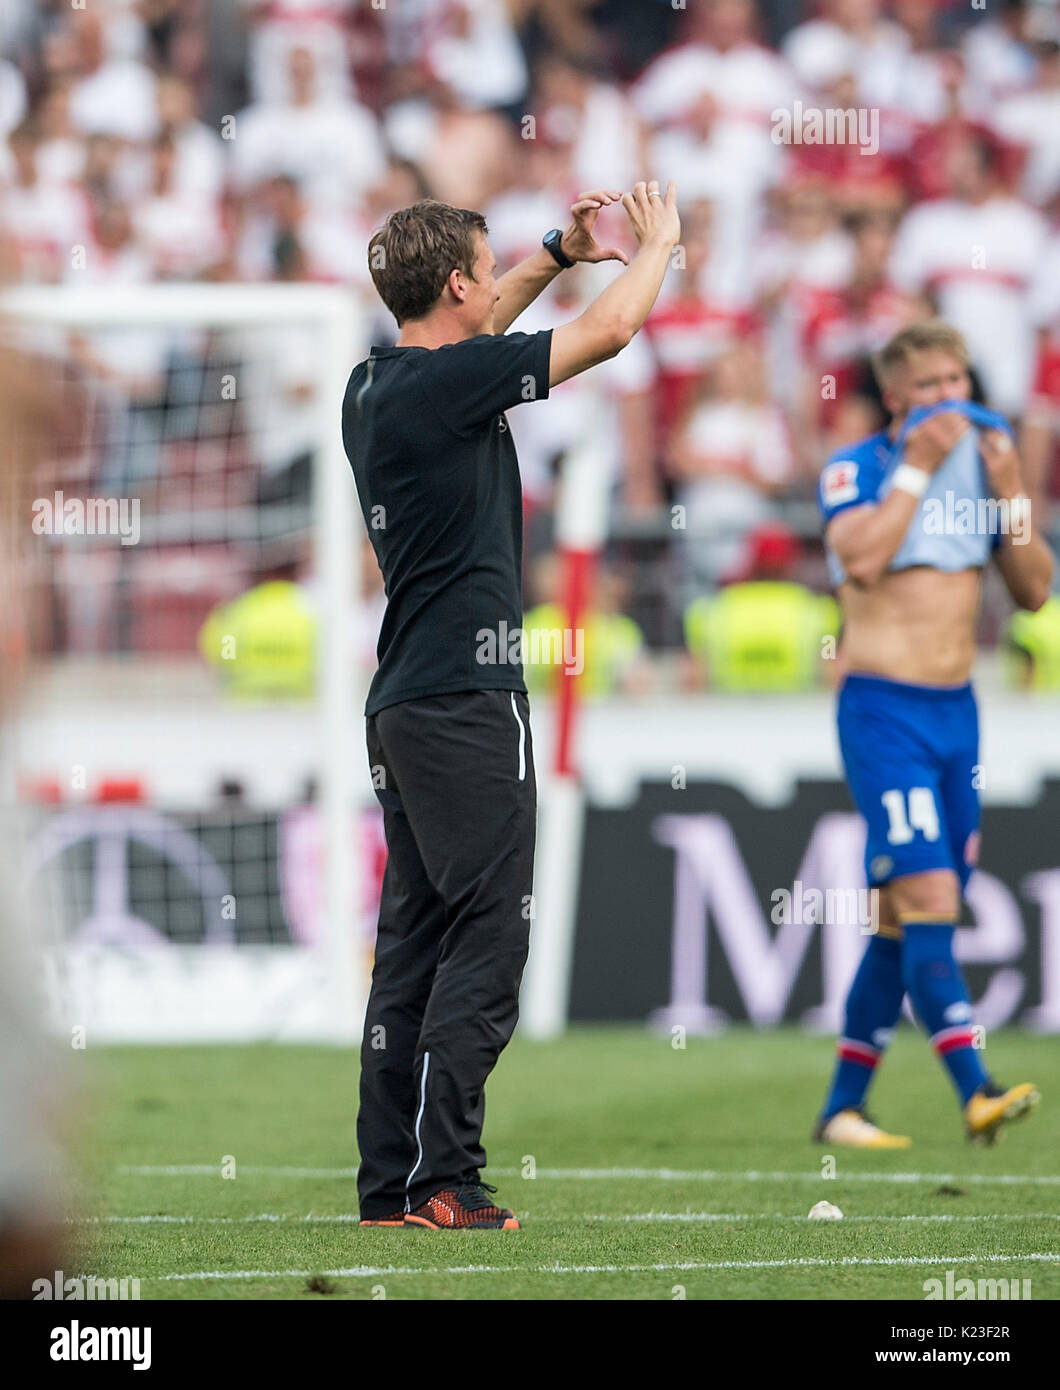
<point x="908" y="812"/>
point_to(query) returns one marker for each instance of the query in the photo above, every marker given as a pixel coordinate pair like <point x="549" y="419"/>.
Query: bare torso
<point x="916" y="625"/>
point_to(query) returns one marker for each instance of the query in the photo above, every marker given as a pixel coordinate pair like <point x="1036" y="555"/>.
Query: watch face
<point x="552" y="243"/>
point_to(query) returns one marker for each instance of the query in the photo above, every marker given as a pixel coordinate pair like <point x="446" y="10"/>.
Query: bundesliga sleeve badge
<point x="839" y="483"/>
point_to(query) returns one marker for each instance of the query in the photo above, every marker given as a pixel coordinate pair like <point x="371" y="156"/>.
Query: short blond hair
<point x="928" y="336"/>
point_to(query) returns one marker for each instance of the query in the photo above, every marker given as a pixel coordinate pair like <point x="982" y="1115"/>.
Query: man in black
<point x="448" y="724"/>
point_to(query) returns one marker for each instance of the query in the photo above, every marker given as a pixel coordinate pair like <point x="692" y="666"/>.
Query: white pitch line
<point x="371" y="1272"/>
<point x="695" y="1217"/>
<point x="709" y="1216"/>
<point x="616" y="1174"/>
<point x="753" y="1175"/>
<point x="340" y="1218"/>
<point x="213" y="1170"/>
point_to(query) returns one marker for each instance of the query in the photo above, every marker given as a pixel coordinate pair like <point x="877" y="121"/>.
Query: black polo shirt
<point x="439" y="486"/>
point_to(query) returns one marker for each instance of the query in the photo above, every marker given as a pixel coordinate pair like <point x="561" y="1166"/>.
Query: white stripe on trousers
<point x="419" y="1122"/>
<point x="522" y="740"/>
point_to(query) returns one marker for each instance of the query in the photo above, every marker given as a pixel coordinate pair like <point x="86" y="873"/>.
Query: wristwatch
<point x="551" y="241"/>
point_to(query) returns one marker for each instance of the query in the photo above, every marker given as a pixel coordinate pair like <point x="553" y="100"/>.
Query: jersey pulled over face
<point x="438" y="482"/>
<point x="957" y="524"/>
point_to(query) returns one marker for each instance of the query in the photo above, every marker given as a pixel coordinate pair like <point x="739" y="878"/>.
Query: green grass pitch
<point x="659" y="1173"/>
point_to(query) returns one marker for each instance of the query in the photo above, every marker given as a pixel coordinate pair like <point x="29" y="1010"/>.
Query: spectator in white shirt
<point x="1041" y="424"/>
<point x="809" y="252"/>
<point x="199" y="151"/>
<point x="280" y="215"/>
<point x="111" y="170"/>
<point x="45" y="221"/>
<point x="466" y="157"/>
<point x="1031" y="120"/>
<point x="539" y="198"/>
<point x="998" y="54"/>
<point x="131" y="357"/>
<point x="280" y="385"/>
<point x="125" y="368"/>
<point x="849" y="36"/>
<point x="721" y="57"/>
<point x="894" y="65"/>
<point x="732" y="165"/>
<point x="12" y="97"/>
<point x="110" y="95"/>
<point x="594" y="120"/>
<point x="975" y="254"/>
<point x="476" y="53"/>
<point x="61" y="152"/>
<point x="730" y="456"/>
<point x="710" y="102"/>
<point x="331" y="147"/>
<point x="615" y="401"/>
<point x="178" y="229"/>
<point x="277" y="27"/>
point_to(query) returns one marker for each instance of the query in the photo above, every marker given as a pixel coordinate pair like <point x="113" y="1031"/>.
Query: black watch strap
<point x="551" y="241"/>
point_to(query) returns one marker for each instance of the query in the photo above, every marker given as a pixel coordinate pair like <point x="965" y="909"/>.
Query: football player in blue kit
<point x="912" y="515"/>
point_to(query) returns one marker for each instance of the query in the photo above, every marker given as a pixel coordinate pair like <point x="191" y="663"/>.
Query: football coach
<point x="448" y="735"/>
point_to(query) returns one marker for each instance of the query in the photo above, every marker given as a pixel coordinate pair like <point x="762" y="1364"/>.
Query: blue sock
<point x="934" y="983"/>
<point x="872" y="1009"/>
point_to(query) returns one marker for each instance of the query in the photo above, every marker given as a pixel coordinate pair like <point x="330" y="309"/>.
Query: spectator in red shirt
<point x="844" y="327"/>
<point x="863" y="174"/>
<point x="933" y="149"/>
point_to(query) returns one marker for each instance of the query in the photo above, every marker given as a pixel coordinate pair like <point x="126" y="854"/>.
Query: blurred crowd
<point x="162" y="140"/>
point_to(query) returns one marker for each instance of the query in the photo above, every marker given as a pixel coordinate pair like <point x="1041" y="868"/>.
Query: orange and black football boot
<point x="392" y="1218"/>
<point x="466" y="1206"/>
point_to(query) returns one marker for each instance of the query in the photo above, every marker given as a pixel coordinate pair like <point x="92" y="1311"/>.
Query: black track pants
<point x="459" y="803"/>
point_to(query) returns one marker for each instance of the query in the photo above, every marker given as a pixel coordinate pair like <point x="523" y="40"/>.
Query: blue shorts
<point x="911" y="755"/>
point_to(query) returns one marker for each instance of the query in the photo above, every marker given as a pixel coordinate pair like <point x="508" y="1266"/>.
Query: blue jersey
<point x="951" y="530"/>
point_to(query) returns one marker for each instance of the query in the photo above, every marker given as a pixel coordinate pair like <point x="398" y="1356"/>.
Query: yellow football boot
<point x="854" y="1130"/>
<point x="991" y="1106"/>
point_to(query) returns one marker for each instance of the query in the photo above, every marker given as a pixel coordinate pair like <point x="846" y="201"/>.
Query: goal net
<point x="188" y="773"/>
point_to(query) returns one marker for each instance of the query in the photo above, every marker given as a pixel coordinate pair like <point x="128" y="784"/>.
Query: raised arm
<point x="611" y="320"/>
<point x="1024" y="560"/>
<point x="525" y="281"/>
<point x="866" y="539"/>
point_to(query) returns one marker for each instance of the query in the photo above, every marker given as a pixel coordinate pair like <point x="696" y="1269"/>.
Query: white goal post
<point x="330" y="1006"/>
<point x="581" y="530"/>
